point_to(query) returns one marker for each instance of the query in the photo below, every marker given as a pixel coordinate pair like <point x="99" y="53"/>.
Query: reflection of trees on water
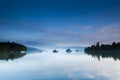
<point x="11" y="50"/>
<point x="9" y="55"/>
<point x="114" y="55"/>
<point x="104" y="51"/>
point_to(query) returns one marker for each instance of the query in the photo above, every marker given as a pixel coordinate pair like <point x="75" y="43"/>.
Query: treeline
<point x="115" y="46"/>
<point x="11" y="46"/>
<point x="104" y="50"/>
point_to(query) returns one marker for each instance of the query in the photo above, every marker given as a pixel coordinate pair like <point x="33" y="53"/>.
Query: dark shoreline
<point x="11" y="50"/>
<point x="104" y="50"/>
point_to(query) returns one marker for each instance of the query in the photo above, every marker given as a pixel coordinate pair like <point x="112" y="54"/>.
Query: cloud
<point x="108" y="33"/>
<point x="70" y="36"/>
<point x="104" y="34"/>
<point x="59" y="37"/>
<point x="113" y="28"/>
<point x="83" y="36"/>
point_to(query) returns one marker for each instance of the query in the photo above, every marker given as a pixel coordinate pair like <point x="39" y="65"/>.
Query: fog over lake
<point x="59" y="66"/>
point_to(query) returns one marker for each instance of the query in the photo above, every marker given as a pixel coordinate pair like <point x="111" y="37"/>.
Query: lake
<point x="60" y="66"/>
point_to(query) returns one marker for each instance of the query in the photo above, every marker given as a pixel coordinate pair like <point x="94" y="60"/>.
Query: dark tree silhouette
<point x="11" y="50"/>
<point x="97" y="45"/>
<point x="104" y="50"/>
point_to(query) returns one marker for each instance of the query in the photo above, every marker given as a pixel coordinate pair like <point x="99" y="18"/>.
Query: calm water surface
<point x="60" y="66"/>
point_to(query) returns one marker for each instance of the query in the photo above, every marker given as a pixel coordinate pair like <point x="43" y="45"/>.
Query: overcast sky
<point x="60" y="22"/>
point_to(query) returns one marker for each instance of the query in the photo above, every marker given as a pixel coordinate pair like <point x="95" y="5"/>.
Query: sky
<point x="47" y="23"/>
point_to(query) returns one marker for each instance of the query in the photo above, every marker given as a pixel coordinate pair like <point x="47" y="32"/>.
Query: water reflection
<point x="97" y="54"/>
<point x="62" y="66"/>
<point x="6" y="55"/>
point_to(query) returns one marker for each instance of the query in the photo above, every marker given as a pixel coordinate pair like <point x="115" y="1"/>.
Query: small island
<point x="55" y="51"/>
<point x="68" y="51"/>
<point x="11" y="50"/>
<point x="104" y="50"/>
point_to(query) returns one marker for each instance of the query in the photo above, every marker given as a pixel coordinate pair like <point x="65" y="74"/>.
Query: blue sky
<point x="60" y="22"/>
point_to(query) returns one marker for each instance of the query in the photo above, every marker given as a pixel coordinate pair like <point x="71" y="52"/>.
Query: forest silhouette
<point x="11" y="50"/>
<point x="104" y="50"/>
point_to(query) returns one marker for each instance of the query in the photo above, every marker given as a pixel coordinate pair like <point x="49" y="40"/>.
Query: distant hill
<point x="76" y="47"/>
<point x="34" y="50"/>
